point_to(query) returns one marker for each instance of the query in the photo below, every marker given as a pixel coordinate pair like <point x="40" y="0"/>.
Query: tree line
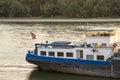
<point x="62" y="8"/>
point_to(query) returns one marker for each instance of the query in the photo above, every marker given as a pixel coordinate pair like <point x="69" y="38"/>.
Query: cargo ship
<point x="98" y="55"/>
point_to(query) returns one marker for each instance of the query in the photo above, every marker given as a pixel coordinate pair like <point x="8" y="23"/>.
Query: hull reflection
<point x="52" y="75"/>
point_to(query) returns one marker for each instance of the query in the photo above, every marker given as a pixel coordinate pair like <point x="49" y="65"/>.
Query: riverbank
<point x="36" y="20"/>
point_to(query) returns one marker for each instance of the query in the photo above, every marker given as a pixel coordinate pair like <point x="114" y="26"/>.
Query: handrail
<point x="56" y="45"/>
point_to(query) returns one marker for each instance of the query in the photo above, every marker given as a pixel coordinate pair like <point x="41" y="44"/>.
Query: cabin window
<point x="100" y="57"/>
<point x="90" y="57"/>
<point x="51" y="53"/>
<point x="103" y="45"/>
<point x="80" y="53"/>
<point x="96" y="33"/>
<point x="95" y="45"/>
<point x="43" y="53"/>
<point x="60" y="54"/>
<point x="69" y="54"/>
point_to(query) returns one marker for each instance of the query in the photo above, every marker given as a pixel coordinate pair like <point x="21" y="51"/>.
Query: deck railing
<point x="55" y="46"/>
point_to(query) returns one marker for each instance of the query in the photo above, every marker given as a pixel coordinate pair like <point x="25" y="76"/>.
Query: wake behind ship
<point x="99" y="55"/>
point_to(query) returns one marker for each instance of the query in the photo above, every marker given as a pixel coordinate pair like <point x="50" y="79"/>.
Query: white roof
<point x="101" y="29"/>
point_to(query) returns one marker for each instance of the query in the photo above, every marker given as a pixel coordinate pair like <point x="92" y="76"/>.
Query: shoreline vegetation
<point x="60" y="9"/>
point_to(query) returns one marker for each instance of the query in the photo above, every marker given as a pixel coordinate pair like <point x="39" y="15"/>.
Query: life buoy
<point x="115" y="44"/>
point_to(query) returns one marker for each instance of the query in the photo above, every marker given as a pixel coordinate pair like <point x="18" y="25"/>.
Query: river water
<point x="15" y="41"/>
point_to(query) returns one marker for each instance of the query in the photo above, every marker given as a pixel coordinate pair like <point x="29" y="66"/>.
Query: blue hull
<point x="76" y="66"/>
<point x="63" y="60"/>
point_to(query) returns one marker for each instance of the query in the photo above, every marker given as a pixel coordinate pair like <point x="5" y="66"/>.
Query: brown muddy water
<point x="15" y="41"/>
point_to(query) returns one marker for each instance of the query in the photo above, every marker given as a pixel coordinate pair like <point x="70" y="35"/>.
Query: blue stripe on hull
<point x="75" y="61"/>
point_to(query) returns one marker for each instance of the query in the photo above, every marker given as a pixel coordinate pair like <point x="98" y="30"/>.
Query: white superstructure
<point x="103" y="35"/>
<point x="98" y="46"/>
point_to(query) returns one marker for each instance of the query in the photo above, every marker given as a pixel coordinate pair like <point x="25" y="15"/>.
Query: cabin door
<point x="80" y="54"/>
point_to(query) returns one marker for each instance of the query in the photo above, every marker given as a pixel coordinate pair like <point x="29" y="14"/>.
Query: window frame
<point x="90" y="57"/>
<point x="100" y="57"/>
<point x="49" y="53"/>
<point x="43" y="53"/>
<point x="59" y="54"/>
<point x="68" y="54"/>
